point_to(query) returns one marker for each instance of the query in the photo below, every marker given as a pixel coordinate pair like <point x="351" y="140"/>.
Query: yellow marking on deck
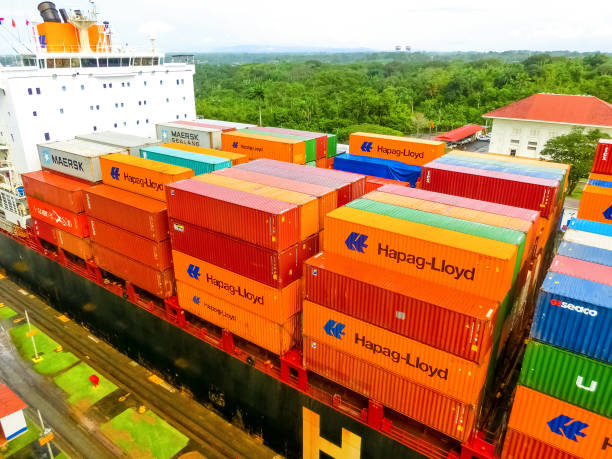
<point x="156" y="380"/>
<point x="23" y="292"/>
<point x="63" y="318"/>
<point x="2" y="276"/>
<point x="18" y="319"/>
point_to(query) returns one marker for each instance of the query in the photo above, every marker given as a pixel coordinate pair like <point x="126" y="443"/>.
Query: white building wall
<point x="13" y="425"/>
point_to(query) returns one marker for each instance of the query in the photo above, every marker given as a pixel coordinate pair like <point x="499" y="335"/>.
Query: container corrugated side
<point x="147" y="217"/>
<point x="132" y="143"/>
<point x="603" y="157"/>
<point x="444" y="318"/>
<point x="221" y="123"/>
<point x="332" y="145"/>
<point x="418" y="402"/>
<point x="575" y="314"/>
<point x="565" y="426"/>
<point x="320" y="139"/>
<point x="600" y="180"/>
<point x="198" y="162"/>
<point x="211" y="125"/>
<point x="271" y="303"/>
<point x="45" y="231"/>
<point x="274" y="337"/>
<point x="257" y="146"/>
<point x="270" y="267"/>
<point x="409" y="150"/>
<point x="262" y="221"/>
<point x="590" y="227"/>
<point x="81" y="247"/>
<point x="235" y="158"/>
<point x="571" y="377"/>
<point x="517" y="445"/>
<point x="461" y="261"/>
<point x="157" y="255"/>
<point x="56" y="216"/>
<point x="601" y="274"/>
<point x="159" y="283"/>
<point x="55" y="189"/>
<point x="591" y="239"/>
<point x="199" y="136"/>
<point x="310" y="145"/>
<point x="586" y="253"/>
<point x="373" y="183"/>
<point x="596" y="204"/>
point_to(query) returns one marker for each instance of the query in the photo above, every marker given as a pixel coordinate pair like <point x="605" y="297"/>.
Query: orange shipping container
<point x="81" y="247"/>
<point x="257" y="146"/>
<point x="462" y="261"/>
<point x="521" y="446"/>
<point x="276" y="338"/>
<point x="308" y="206"/>
<point x="235" y="158"/>
<point x="141" y="176"/>
<point x="596" y="204"/>
<point x="408" y="150"/>
<point x="276" y="305"/>
<point x="58" y="217"/>
<point x="426" y="365"/>
<point x="560" y="424"/>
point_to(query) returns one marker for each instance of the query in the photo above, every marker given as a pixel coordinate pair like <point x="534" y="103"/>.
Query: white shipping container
<point x="592" y="239"/>
<point x="131" y="143"/>
<point x="198" y="136"/>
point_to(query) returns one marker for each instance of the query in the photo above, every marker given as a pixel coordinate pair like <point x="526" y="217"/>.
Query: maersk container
<point x="131" y="143"/>
<point x="310" y="144"/>
<point x="603" y="157"/>
<point x="384" y="168"/>
<point x="517" y="445"/>
<point x="592" y="239"/>
<point x="586" y="253"/>
<point x="589" y="226"/>
<point x="320" y="138"/>
<point x="75" y="157"/>
<point x="575" y="314"/>
<point x="581" y="381"/>
<point x="191" y="135"/>
<point x="199" y="163"/>
<point x="588" y="270"/>
<point x="60" y="218"/>
<point x="55" y="189"/>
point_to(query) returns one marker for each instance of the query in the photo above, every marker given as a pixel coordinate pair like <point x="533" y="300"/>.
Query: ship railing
<point x="188" y="59"/>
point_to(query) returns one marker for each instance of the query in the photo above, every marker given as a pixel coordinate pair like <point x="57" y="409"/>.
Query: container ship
<point x="378" y="304"/>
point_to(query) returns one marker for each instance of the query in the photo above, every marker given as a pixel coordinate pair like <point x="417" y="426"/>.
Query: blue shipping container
<point x="600" y="183"/>
<point x="589" y="226"/>
<point x="377" y="167"/>
<point x="201" y="164"/>
<point x="575" y="314"/>
<point x="586" y="253"/>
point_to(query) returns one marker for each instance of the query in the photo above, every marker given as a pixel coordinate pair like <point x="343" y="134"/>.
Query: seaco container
<point x="468" y="263"/>
<point x="603" y="157"/>
<point x="131" y="143"/>
<point x="199" y="163"/>
<point x="596" y="204"/>
<point x="327" y="197"/>
<point x="509" y="189"/>
<point x="272" y="336"/>
<point x="264" y="146"/>
<point x="81" y="247"/>
<point x="200" y="136"/>
<point x="55" y="189"/>
<point x="276" y="305"/>
<point x="75" y="157"/>
<point x="594" y="272"/>
<point x="446" y="319"/>
<point x="275" y="268"/>
<point x="450" y="416"/>
<point x="310" y="144"/>
<point x="591" y="239"/>
<point x="308" y="206"/>
<point x="142" y="176"/>
<point x="157" y="255"/>
<point x="517" y="445"/>
<point x="408" y="150"/>
<point x="44" y="231"/>
<point x="235" y="158"/>
<point x="319" y="138"/>
<point x="143" y="216"/>
<point x="560" y="424"/>
<point x="159" y="283"/>
<point x="590" y="227"/>
<point x="576" y="379"/>
<point x="586" y="253"/>
<point x="56" y="216"/>
<point x="575" y="314"/>
<point x="262" y="221"/>
<point x="433" y="368"/>
<point x="384" y="168"/>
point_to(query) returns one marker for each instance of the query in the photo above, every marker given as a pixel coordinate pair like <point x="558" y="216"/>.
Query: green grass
<point x="7" y="313"/>
<point x="52" y="361"/>
<point x="577" y="193"/>
<point x="81" y="392"/>
<point x="62" y="455"/>
<point x="144" y="435"/>
<point x="22" y="440"/>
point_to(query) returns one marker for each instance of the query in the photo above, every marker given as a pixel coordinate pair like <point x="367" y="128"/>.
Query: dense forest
<point x="400" y="94"/>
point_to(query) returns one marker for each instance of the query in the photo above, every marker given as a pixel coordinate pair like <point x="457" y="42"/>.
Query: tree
<point x="257" y="93"/>
<point x="576" y="148"/>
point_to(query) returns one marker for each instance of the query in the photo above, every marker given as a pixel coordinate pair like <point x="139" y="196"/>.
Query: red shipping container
<point x="262" y="221"/>
<point x="56" y="216"/>
<point x="416" y="401"/>
<point x="44" y="231"/>
<point x="55" y="189"/>
<point x="159" y="283"/>
<point x="155" y="254"/>
<point x="276" y="269"/>
<point x="130" y="211"/>
<point x="582" y="269"/>
<point x="509" y="189"/>
<point x="603" y="157"/>
<point x="520" y="446"/>
<point x="373" y="183"/>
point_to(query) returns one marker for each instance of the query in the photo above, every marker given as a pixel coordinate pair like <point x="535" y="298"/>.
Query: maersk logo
<point x="573" y="307"/>
<point x="235" y="145"/>
<point x="567" y="427"/>
<point x="193" y="271"/>
<point x="164" y="135"/>
<point x="65" y="162"/>
<point x="114" y="173"/>
<point x="46" y="157"/>
<point x="356" y="242"/>
<point x="366" y="146"/>
<point x="335" y="329"/>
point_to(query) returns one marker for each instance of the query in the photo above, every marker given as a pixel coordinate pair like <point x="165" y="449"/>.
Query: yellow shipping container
<point x="257" y="146"/>
<point x="235" y="158"/>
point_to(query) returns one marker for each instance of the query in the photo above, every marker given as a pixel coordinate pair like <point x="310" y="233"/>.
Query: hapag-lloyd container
<point x="327" y="196"/>
<point x="421" y="403"/>
<point x="157" y="255"/>
<point x="55" y="189"/>
<point x="130" y="211"/>
<point x="550" y="420"/>
<point x="320" y="139"/>
<point x="603" y="157"/>
<point x="235" y="158"/>
<point x="415" y="152"/>
<point x="270" y="267"/>
<point x="308" y="205"/>
<point x="514" y="190"/>
<point x="590" y="227"/>
<point x="591" y="239"/>
<point x="81" y="247"/>
<point x="199" y="136"/>
<point x="517" y="445"/>
<point x="262" y="221"/>
<point x="274" y="337"/>
<point x="75" y="157"/>
<point x="257" y="146"/>
<point x="199" y="163"/>
<point x="310" y="144"/>
<point x="575" y="314"/>
<point x="462" y="261"/>
<point x="582" y="269"/>
<point x="142" y="176"/>
<point x="131" y="143"/>
<point x="56" y="216"/>
<point x="274" y="304"/>
<point x="600" y="180"/>
<point x="159" y="283"/>
<point x="453" y="321"/>
<point x="586" y="253"/>
<point x="439" y="370"/>
<point x="576" y="379"/>
<point x="45" y="231"/>
<point x="596" y="204"/>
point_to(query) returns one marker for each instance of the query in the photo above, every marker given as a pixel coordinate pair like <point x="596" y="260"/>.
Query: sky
<point x="436" y="25"/>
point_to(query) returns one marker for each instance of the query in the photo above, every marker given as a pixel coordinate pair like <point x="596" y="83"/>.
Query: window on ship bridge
<point x="47" y="136"/>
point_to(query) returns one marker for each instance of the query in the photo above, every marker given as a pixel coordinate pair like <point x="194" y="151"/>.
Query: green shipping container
<point x="574" y="378"/>
<point x="332" y="145"/>
<point x="311" y="164"/>
<point x="199" y="163"/>
<point x="310" y="143"/>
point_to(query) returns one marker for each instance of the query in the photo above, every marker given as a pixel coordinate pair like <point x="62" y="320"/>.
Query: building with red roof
<point x="12" y="420"/>
<point x="523" y="127"/>
<point x="469" y="131"/>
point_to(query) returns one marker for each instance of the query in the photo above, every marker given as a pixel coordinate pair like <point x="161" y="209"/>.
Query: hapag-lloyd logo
<point x="573" y="307"/>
